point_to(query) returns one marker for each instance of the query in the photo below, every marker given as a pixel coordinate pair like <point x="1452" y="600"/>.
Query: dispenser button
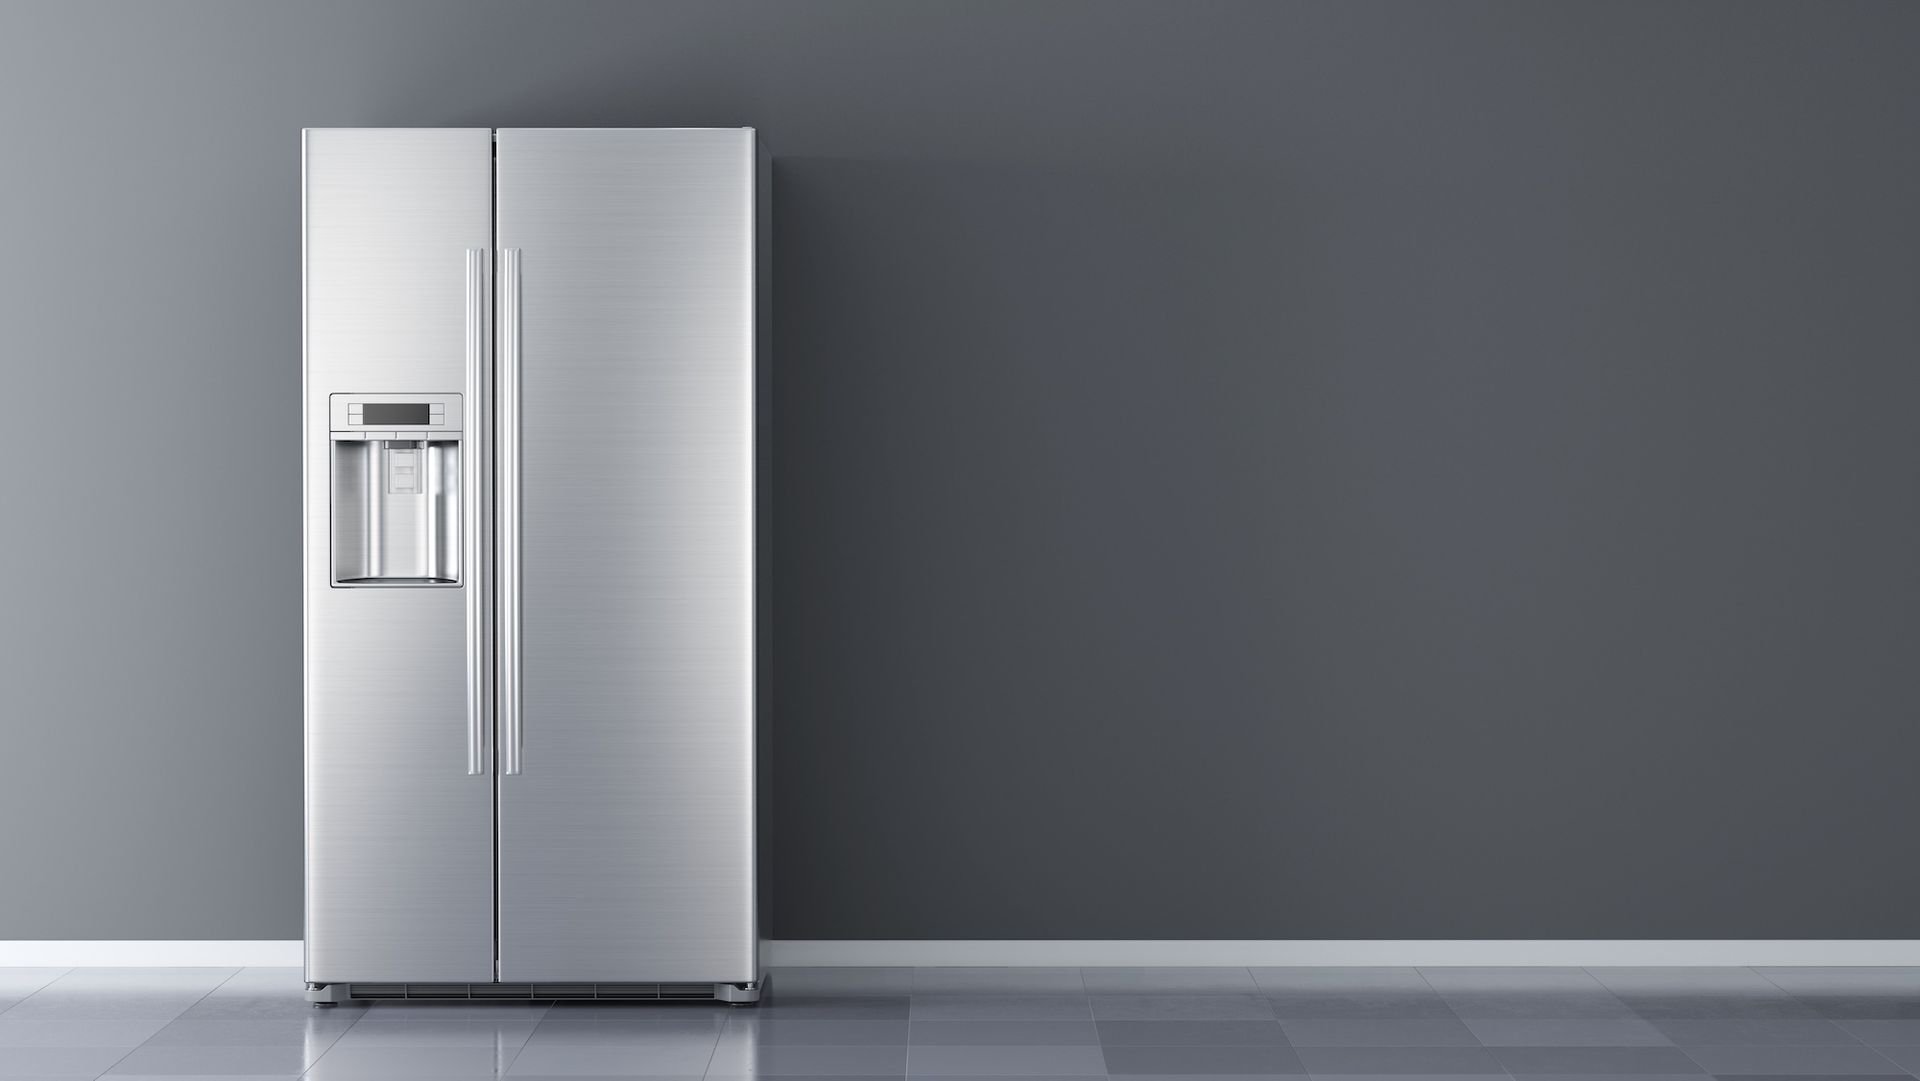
<point x="403" y="472"/>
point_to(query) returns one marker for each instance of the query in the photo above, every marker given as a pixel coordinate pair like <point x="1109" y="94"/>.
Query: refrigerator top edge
<point x="306" y="134"/>
<point x="693" y="127"/>
<point x="420" y="130"/>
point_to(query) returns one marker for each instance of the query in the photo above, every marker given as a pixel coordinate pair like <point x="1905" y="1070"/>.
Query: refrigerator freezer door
<point x="399" y="843"/>
<point x="626" y="837"/>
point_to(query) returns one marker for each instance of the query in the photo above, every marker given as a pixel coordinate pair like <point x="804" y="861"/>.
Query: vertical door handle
<point x="509" y="552"/>
<point x="470" y="511"/>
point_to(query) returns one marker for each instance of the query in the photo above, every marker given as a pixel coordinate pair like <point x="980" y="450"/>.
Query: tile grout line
<point x="64" y="973"/>
<point x="1455" y="1014"/>
<point x="704" y="1070"/>
<point x="1086" y="993"/>
<point x="1755" y="969"/>
<point x="170" y="1021"/>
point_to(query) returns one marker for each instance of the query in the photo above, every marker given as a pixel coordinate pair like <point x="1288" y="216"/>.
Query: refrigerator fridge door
<point x="626" y="561"/>
<point x="399" y="839"/>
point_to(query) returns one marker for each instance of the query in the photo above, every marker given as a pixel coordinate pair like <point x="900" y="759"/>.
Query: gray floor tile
<point x="1208" y="980"/>
<point x="380" y="1013"/>
<point x="630" y="1012"/>
<point x="1907" y="1058"/>
<point x="1707" y="1007"/>
<point x="1002" y="1023"/>
<point x="58" y="1061"/>
<point x="76" y="1033"/>
<point x="738" y="1058"/>
<point x="1248" y="1059"/>
<point x="308" y="1033"/>
<point x="1682" y="980"/>
<point x="1574" y="1032"/>
<point x="271" y="973"/>
<point x="691" y="1022"/>
<point x="48" y="1005"/>
<point x="986" y="980"/>
<point x="1188" y="1033"/>
<point x="279" y="1059"/>
<point x="1000" y="1007"/>
<point x="1398" y="1060"/>
<point x="1755" y="1030"/>
<point x="352" y="1063"/>
<point x="574" y="1059"/>
<point x="450" y="1032"/>
<point x="632" y="1037"/>
<point x="598" y="1077"/>
<point x="1619" y="1077"/>
<point x="821" y="1007"/>
<point x="264" y="1006"/>
<point x="1808" y="1077"/>
<point x="773" y="1031"/>
<point x="1180" y="1007"/>
<point x="1379" y="1032"/>
<point x="199" y="980"/>
<point x="1791" y="1059"/>
<point x="1430" y="1077"/>
<point x="1880" y="1033"/>
<point x="841" y="981"/>
<point x="1329" y="980"/>
<point x="1004" y="1061"/>
<point x="1359" y="1005"/>
<point x="1510" y="980"/>
<point x="1849" y="1007"/>
<point x="1878" y="979"/>
<point x="1537" y="1006"/>
<point x="997" y="1077"/>
<point x="1231" y="1077"/>
<point x="17" y="982"/>
<point x="1596" y="1060"/>
<point x="1078" y="1033"/>
<point x="216" y="1077"/>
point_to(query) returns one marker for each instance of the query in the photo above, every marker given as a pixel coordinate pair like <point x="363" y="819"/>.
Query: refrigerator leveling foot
<point x="740" y="994"/>
<point x="327" y="994"/>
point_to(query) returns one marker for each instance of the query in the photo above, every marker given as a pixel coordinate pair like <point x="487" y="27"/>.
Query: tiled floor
<point x="1564" y="1024"/>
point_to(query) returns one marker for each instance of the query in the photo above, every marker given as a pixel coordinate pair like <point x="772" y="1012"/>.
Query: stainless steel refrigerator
<point x="530" y="368"/>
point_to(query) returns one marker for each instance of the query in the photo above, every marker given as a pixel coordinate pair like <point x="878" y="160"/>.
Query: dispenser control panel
<point x="395" y="416"/>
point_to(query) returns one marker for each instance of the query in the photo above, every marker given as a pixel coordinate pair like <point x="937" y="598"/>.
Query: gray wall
<point x="1254" y="470"/>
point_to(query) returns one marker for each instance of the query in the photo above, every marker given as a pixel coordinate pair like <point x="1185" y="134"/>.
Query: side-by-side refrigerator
<point x="530" y="370"/>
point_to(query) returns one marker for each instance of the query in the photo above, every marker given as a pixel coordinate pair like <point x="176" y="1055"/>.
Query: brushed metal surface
<point x="507" y="434"/>
<point x="477" y="643"/>
<point x="626" y="842"/>
<point x="399" y="853"/>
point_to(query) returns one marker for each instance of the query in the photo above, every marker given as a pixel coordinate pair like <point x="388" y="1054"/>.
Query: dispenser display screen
<point x="381" y="414"/>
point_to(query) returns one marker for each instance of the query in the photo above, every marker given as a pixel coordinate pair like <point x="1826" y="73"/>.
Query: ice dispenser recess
<point x="396" y="489"/>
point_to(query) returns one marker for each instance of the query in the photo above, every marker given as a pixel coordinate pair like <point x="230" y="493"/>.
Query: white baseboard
<point x="1091" y="953"/>
<point x="1575" y="952"/>
<point x="159" y="953"/>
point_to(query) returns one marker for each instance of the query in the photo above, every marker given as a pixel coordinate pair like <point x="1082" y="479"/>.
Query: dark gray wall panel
<point x="1267" y="470"/>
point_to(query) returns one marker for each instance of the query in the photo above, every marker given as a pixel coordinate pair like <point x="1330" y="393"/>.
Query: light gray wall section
<point x="1241" y="469"/>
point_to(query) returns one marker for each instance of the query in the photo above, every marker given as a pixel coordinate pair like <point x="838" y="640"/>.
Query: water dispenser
<point x="396" y="489"/>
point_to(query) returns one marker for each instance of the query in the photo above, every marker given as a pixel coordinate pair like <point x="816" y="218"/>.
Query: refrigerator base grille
<point x="732" y="993"/>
